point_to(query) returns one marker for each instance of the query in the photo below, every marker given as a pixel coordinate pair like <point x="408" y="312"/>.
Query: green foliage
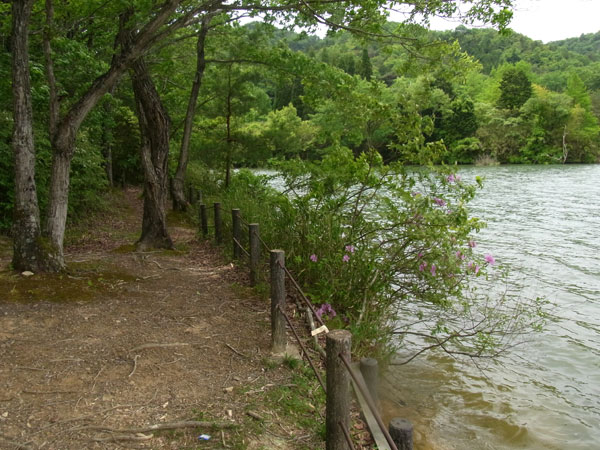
<point x="372" y="241"/>
<point x="515" y="89"/>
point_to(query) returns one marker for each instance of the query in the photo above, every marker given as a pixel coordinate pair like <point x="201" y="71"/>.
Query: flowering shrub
<point x="382" y="248"/>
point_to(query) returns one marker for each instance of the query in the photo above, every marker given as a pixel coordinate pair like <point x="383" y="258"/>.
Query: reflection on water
<point x="543" y="223"/>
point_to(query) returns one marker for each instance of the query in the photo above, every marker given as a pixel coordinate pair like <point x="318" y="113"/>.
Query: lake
<point x="544" y="225"/>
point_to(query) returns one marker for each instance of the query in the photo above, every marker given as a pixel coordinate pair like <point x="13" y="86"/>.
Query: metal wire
<point x="302" y="294"/>
<point x="346" y="435"/>
<point x="241" y="247"/>
<point x="303" y="348"/>
<point x="367" y="396"/>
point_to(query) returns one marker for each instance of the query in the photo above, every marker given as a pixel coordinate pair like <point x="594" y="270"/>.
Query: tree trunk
<point x="27" y="254"/>
<point x="154" y="127"/>
<point x="228" y="125"/>
<point x="177" y="188"/>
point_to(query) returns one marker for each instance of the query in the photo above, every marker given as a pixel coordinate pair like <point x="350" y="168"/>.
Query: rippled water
<point x="544" y="224"/>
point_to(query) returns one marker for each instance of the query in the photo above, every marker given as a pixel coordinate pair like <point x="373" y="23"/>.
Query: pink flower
<point x="420" y="255"/>
<point x="422" y="266"/>
<point x="474" y="267"/>
<point x="346" y="258"/>
<point x="350" y="248"/>
<point x="314" y="258"/>
<point x="326" y="309"/>
<point x="459" y="255"/>
<point x="451" y="178"/>
<point x="433" y="269"/>
<point x="472" y="244"/>
<point x="489" y="259"/>
<point x="439" y="201"/>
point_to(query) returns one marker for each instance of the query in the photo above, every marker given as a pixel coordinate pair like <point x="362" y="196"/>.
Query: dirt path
<point x="126" y="341"/>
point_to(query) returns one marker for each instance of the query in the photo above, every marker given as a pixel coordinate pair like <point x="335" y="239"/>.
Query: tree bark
<point x="178" y="192"/>
<point x="154" y="127"/>
<point x="63" y="139"/>
<point x="27" y="254"/>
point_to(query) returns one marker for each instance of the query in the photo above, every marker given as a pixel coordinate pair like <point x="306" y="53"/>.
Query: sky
<point x="548" y="20"/>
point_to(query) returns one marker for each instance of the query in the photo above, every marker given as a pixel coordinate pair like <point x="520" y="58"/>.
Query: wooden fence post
<point x="369" y="368"/>
<point x="338" y="342"/>
<point x="204" y="220"/>
<point x="253" y="237"/>
<point x="278" y="337"/>
<point x="401" y="431"/>
<point x="236" y="225"/>
<point x="199" y="196"/>
<point x="218" y="231"/>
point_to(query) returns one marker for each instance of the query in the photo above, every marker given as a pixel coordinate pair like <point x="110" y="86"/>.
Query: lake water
<point x="544" y="224"/>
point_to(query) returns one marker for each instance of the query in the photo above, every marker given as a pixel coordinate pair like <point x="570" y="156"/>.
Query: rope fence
<point x="338" y="342"/>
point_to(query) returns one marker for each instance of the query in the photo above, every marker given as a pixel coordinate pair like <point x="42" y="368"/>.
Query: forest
<point x="177" y="93"/>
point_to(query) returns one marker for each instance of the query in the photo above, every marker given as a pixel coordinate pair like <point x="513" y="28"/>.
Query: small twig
<point x="255" y="416"/>
<point x="66" y="360"/>
<point x="135" y="358"/>
<point x="236" y="352"/>
<point x="146" y="346"/>
<point x="48" y="392"/>
<point x="29" y="368"/>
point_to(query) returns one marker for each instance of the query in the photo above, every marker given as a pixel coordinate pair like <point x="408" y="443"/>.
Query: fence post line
<point x="236" y="226"/>
<point x="218" y="231"/>
<point x="369" y="367"/>
<point x="203" y="220"/>
<point x="278" y="337"/>
<point x="191" y="194"/>
<point x="338" y="342"/>
<point x="199" y="196"/>
<point x="401" y="431"/>
<point x="254" y="252"/>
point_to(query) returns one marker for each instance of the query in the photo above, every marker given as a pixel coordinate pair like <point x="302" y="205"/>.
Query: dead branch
<point x="135" y="358"/>
<point x="158" y="427"/>
<point x="124" y="437"/>
<point x="236" y="352"/>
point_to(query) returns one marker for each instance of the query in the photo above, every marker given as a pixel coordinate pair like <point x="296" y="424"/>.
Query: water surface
<point x="544" y="224"/>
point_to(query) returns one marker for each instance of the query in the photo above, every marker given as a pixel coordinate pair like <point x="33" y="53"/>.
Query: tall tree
<point x="26" y="223"/>
<point x="179" y="201"/>
<point x="515" y="89"/>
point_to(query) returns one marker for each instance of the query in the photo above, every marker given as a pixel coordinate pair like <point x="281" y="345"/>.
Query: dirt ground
<point x="125" y="343"/>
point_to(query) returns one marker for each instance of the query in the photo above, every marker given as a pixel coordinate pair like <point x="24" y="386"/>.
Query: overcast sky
<point x="549" y="20"/>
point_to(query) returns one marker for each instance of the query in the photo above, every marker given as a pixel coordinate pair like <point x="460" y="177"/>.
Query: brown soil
<point x="94" y="357"/>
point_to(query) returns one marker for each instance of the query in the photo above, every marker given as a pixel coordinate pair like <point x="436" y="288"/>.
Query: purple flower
<point x="420" y="255"/>
<point x="346" y="258"/>
<point x="326" y="309"/>
<point x="459" y="255"/>
<point x="451" y="178"/>
<point x="474" y="267"/>
<point x="472" y="244"/>
<point x="439" y="201"/>
<point x="489" y="259"/>
<point x="422" y="266"/>
<point x="314" y="258"/>
<point x="350" y="248"/>
<point x="433" y="269"/>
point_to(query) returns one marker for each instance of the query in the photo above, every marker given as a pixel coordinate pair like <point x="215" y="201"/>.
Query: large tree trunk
<point x="177" y="188"/>
<point x="63" y="139"/>
<point x="154" y="127"/>
<point x="27" y="254"/>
